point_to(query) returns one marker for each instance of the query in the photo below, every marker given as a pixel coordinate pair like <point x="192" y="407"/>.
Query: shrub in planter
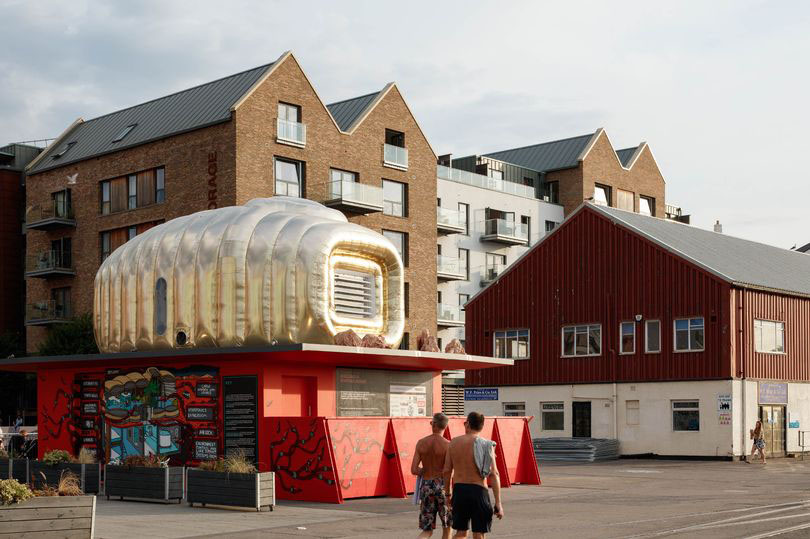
<point x="48" y="471"/>
<point x="144" y="477"/>
<point x="232" y="481"/>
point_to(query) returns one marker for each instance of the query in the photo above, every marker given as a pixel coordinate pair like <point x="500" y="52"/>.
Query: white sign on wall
<point x="724" y="409"/>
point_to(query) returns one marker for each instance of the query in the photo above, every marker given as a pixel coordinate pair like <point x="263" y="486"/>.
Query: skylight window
<point x="64" y="150"/>
<point x="124" y="132"/>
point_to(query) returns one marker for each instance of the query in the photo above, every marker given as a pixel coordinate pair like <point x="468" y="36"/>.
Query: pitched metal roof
<point x="741" y="262"/>
<point x="554" y="155"/>
<point x="625" y="155"/>
<point x="348" y="111"/>
<point x="190" y="109"/>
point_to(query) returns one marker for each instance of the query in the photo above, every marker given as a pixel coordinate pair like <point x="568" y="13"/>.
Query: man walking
<point x="430" y="453"/>
<point x="470" y="462"/>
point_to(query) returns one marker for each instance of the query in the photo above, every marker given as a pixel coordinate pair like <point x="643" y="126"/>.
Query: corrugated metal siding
<point x="592" y="271"/>
<point x="794" y="365"/>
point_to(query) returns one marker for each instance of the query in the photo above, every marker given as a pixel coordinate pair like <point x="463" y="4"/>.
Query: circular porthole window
<point x="182" y="338"/>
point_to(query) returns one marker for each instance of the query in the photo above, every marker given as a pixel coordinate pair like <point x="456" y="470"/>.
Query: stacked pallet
<point x="575" y="449"/>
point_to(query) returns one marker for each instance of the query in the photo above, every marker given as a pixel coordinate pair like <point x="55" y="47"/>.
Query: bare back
<point x="432" y="451"/>
<point x="462" y="461"/>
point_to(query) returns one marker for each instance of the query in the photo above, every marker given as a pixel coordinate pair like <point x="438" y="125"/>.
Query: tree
<point x="75" y="337"/>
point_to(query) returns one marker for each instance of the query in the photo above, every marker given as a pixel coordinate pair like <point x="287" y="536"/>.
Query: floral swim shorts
<point x="759" y="444"/>
<point x="433" y="503"/>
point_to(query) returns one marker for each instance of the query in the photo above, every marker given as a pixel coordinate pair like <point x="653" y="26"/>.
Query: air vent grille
<point x="354" y="294"/>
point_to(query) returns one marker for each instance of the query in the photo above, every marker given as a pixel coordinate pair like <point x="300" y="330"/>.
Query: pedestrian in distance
<point x="427" y="466"/>
<point x="18" y="422"/>
<point x="469" y="464"/>
<point x="758" y="436"/>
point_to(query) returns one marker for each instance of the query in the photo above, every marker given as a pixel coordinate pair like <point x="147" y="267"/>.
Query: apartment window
<point x="689" y="335"/>
<point x="290" y="113"/>
<point x="132" y="232"/>
<point x="601" y="195"/>
<point x="632" y="412"/>
<point x="124" y="132"/>
<point x="464" y="262"/>
<point x="686" y="415"/>
<point x="105" y="198"/>
<point x="289" y="177"/>
<point x="105" y="245"/>
<point x="769" y="336"/>
<point x="526" y="223"/>
<point x="553" y="190"/>
<point x="584" y="340"/>
<point x="646" y="205"/>
<point x="400" y="241"/>
<point x="464" y="217"/>
<point x="514" y="409"/>
<point x="132" y="192"/>
<point x="160" y="306"/>
<point x="551" y="225"/>
<point x="61" y="250"/>
<point x="552" y="416"/>
<point x="160" y="185"/>
<point x="61" y="300"/>
<point x="394" y="202"/>
<point x="627" y="342"/>
<point x="625" y="200"/>
<point x="395" y="138"/>
<point x="512" y="344"/>
<point x="61" y="203"/>
<point x="652" y="336"/>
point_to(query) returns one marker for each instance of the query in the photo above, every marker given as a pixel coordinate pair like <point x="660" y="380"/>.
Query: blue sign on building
<point x="773" y="393"/>
<point x="480" y="393"/>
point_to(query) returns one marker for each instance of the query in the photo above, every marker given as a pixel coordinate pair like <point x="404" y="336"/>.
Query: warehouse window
<point x="625" y="200"/>
<point x="585" y="340"/>
<point x="646" y="205"/>
<point x="552" y="416"/>
<point x="769" y="336"/>
<point x="160" y="306"/>
<point x="601" y="195"/>
<point x="652" y="338"/>
<point x="627" y="338"/>
<point x="514" y="409"/>
<point x="686" y="415"/>
<point x="512" y="344"/>
<point x="689" y="335"/>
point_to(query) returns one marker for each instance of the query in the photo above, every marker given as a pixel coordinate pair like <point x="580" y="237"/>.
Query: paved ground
<point x="621" y="499"/>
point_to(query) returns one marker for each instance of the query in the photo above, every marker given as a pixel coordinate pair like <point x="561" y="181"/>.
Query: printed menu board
<point x="241" y="415"/>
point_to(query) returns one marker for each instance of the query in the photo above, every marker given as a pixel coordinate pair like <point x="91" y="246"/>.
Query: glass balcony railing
<point x="57" y="211"/>
<point x="46" y="312"/>
<point x="294" y="132"/>
<point x="446" y="265"/>
<point x="485" y="182"/>
<point x="49" y="262"/>
<point x="449" y="314"/>
<point x="395" y="156"/>
<point x="501" y="229"/>
<point x="490" y="272"/>
<point x="451" y="219"/>
<point x="349" y="193"/>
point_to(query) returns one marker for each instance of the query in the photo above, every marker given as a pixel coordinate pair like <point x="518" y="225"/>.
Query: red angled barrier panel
<point x="407" y="431"/>
<point x="301" y="456"/>
<point x="516" y="445"/>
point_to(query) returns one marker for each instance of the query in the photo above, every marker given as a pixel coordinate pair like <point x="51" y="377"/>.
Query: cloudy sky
<point x="718" y="89"/>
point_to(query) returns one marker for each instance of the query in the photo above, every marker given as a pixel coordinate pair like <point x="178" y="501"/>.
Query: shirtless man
<point x="430" y="452"/>
<point x="470" y="499"/>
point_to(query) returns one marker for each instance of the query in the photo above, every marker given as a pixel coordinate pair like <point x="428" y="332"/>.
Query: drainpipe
<point x="740" y="316"/>
<point x="615" y="410"/>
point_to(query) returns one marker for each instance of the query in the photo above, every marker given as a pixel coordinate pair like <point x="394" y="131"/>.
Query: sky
<point x="717" y="89"/>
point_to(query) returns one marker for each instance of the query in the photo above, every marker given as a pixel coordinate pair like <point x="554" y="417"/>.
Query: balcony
<point x="49" y="217"/>
<point x="675" y="213"/>
<point x="293" y="133"/>
<point x="450" y="269"/>
<point x="449" y="316"/>
<point x="395" y="157"/>
<point x="46" y="313"/>
<point x="49" y="264"/>
<point x="354" y="197"/>
<point x="490" y="272"/>
<point x="450" y="221"/>
<point x="506" y="232"/>
<point x="484" y="182"/>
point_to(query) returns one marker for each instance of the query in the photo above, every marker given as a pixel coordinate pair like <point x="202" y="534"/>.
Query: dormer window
<point x="64" y="150"/>
<point x="124" y="132"/>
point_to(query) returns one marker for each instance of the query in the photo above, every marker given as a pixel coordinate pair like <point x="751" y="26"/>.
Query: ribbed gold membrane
<point x="249" y="275"/>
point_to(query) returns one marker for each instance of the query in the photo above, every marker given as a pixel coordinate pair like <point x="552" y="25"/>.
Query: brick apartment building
<point x="258" y="133"/>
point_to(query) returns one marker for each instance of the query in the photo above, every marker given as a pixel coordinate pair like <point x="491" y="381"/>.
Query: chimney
<point x="718" y="227"/>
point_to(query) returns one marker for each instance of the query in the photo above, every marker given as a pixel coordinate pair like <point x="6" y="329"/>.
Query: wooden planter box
<point x="14" y="469"/>
<point x="146" y="483"/>
<point x="71" y="517"/>
<point x="89" y="474"/>
<point x="254" y="490"/>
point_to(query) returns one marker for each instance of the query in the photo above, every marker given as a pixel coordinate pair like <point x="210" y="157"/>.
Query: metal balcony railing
<point x="501" y="229"/>
<point x="395" y="156"/>
<point x="48" y="311"/>
<point x="49" y="261"/>
<point x="484" y="182"/>
<point x="447" y="266"/>
<point x="490" y="272"/>
<point x="451" y="219"/>
<point x="293" y="132"/>
<point x="449" y="314"/>
<point x="349" y="193"/>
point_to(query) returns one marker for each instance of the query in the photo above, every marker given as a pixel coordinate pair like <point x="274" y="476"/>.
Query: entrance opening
<point x="773" y="427"/>
<point x="299" y="396"/>
<point x="582" y="419"/>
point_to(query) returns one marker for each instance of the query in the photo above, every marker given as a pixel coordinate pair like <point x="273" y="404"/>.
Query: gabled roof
<point x="625" y="155"/>
<point x="347" y="112"/>
<point x="190" y="109"/>
<point x="803" y="249"/>
<point x="554" y="155"/>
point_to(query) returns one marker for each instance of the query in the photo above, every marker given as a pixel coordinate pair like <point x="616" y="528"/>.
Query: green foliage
<point x="75" y="337"/>
<point x="150" y="461"/>
<point x="12" y="491"/>
<point x="56" y="456"/>
<point x="11" y="344"/>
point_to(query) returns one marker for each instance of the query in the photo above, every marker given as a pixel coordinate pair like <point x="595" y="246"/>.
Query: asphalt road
<point x="620" y="499"/>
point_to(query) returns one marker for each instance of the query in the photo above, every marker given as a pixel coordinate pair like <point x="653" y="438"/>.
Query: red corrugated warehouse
<point x="671" y="338"/>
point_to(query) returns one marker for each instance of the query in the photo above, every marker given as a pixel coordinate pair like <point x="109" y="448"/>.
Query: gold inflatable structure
<point x="276" y="270"/>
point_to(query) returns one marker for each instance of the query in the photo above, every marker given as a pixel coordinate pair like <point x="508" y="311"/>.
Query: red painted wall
<point x="592" y="271"/>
